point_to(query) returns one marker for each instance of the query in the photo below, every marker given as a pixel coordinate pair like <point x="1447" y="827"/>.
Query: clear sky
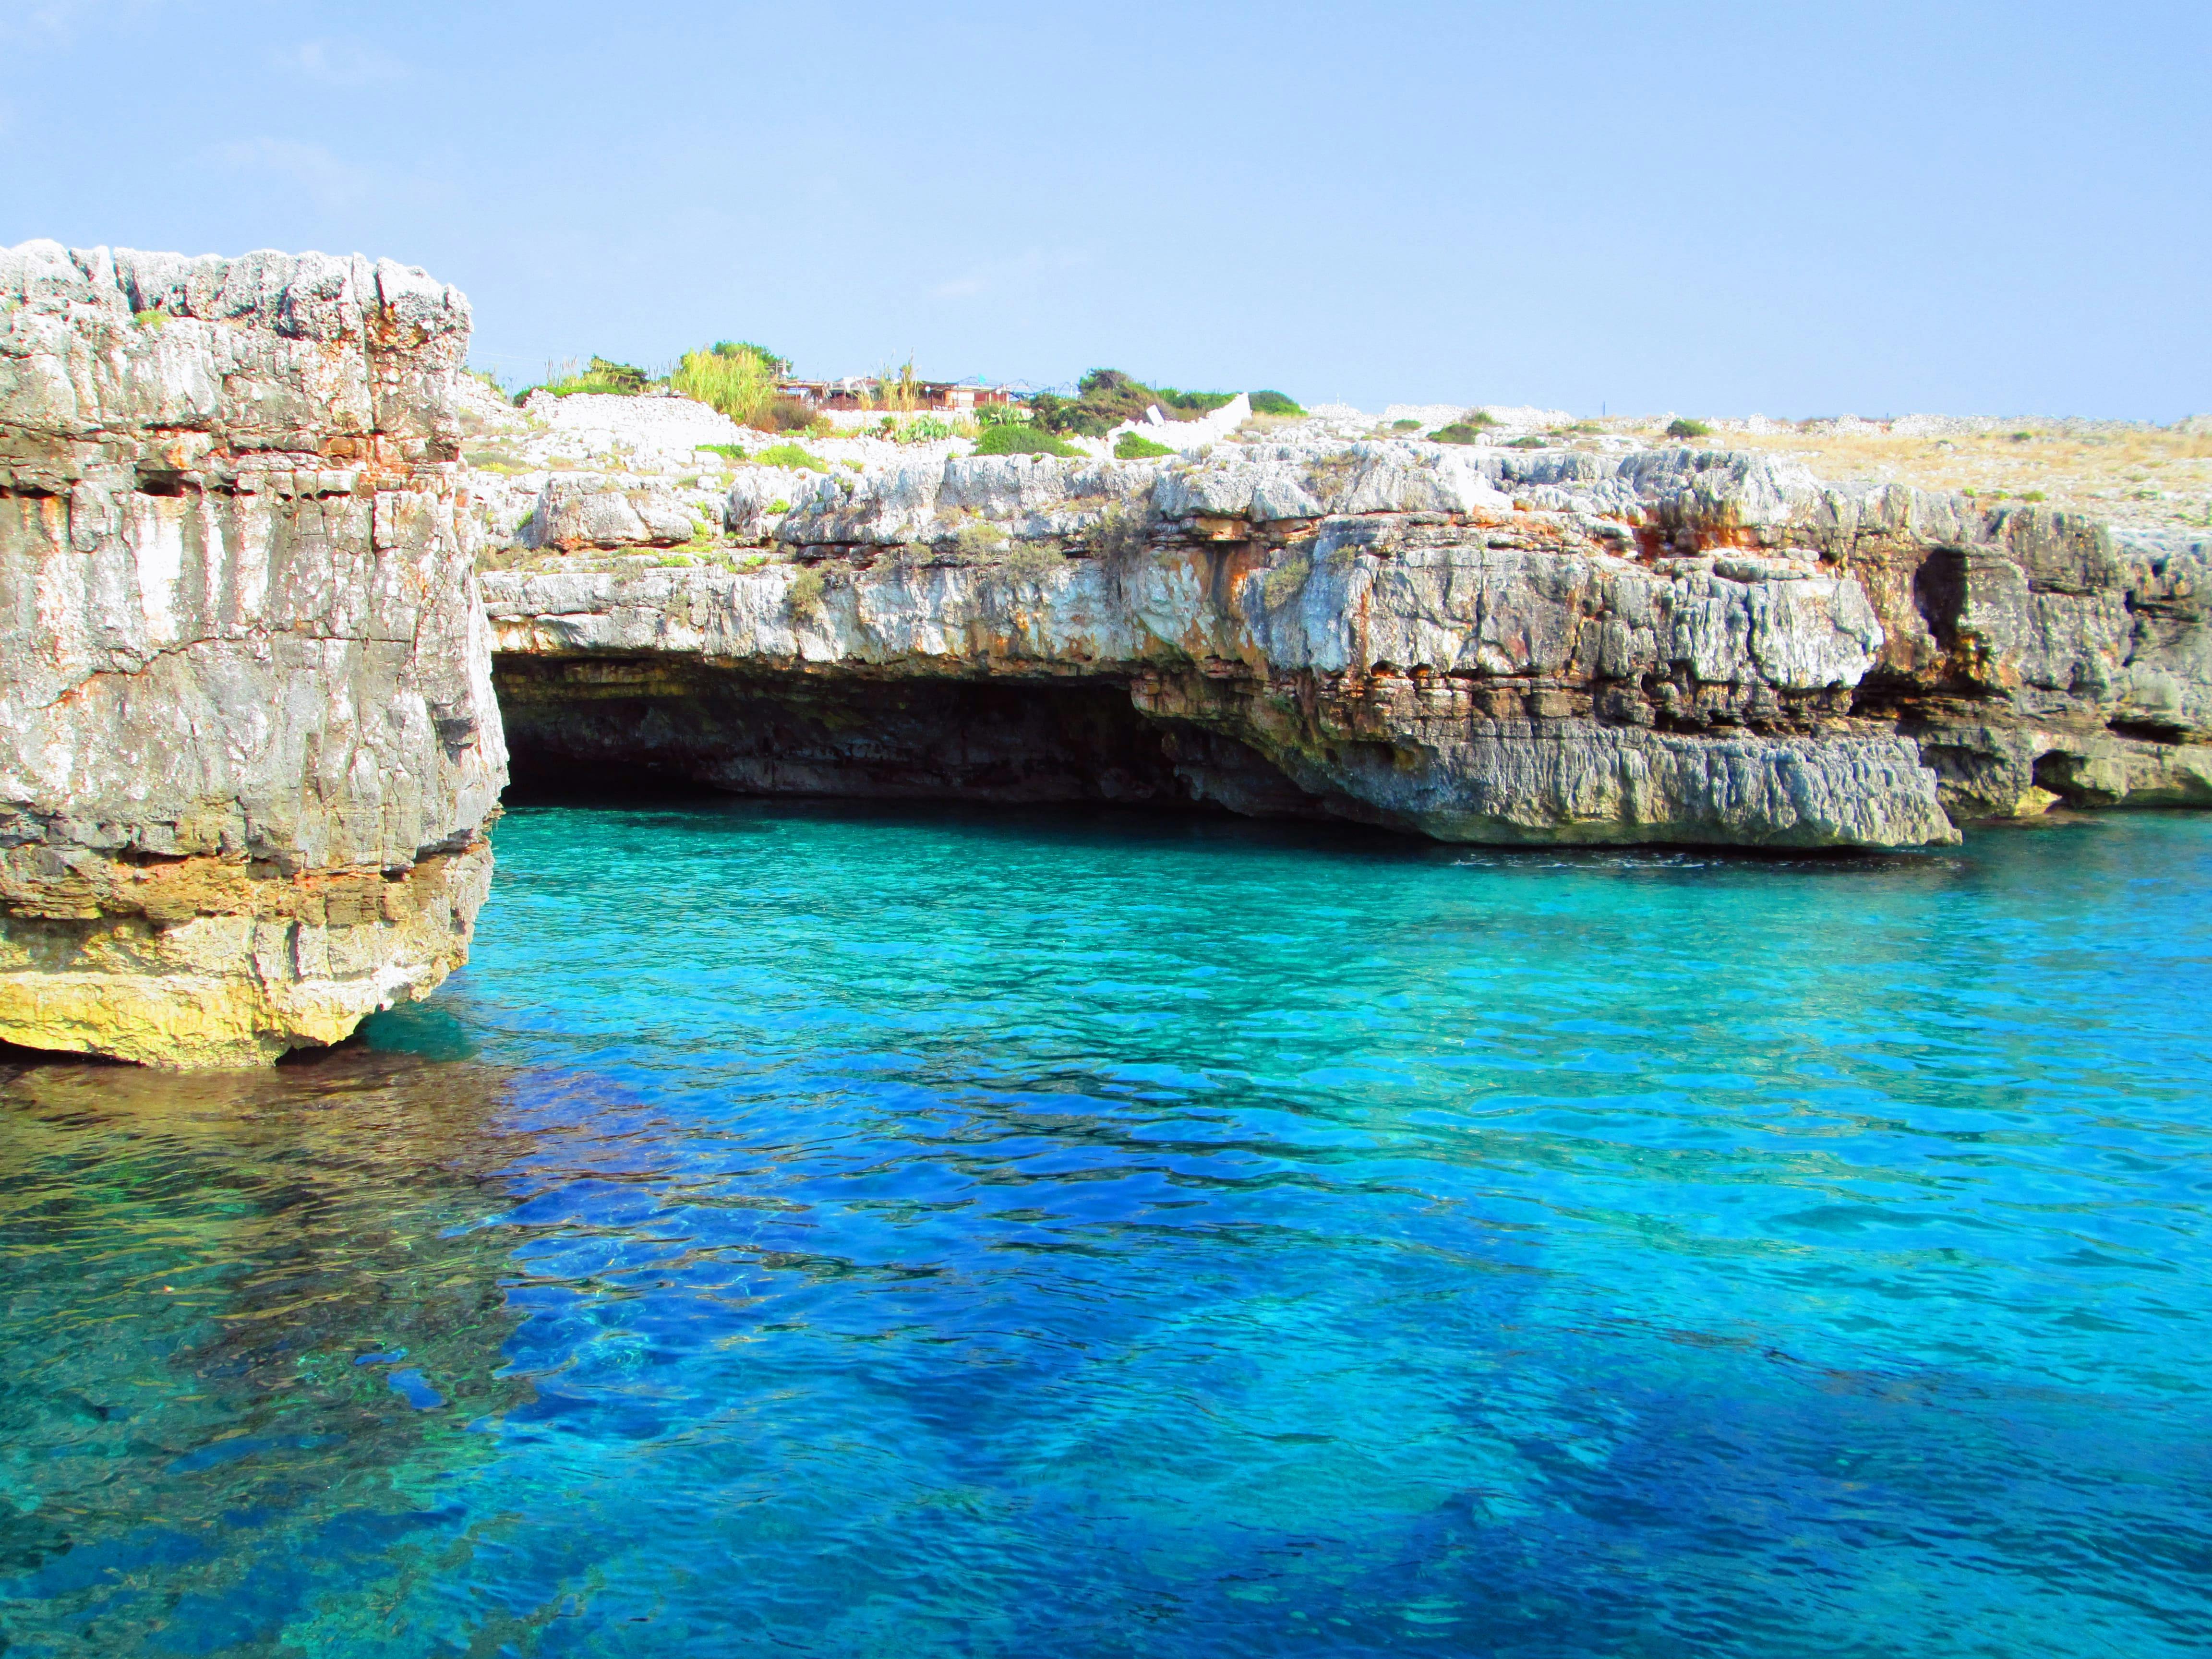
<point x="1713" y="209"/>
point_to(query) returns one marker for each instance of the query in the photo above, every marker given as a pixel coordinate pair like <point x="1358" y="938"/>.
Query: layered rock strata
<point x="248" y="745"/>
<point x="1671" y="646"/>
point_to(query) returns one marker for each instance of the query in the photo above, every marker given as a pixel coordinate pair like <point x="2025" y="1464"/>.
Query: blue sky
<point x="1796" y="209"/>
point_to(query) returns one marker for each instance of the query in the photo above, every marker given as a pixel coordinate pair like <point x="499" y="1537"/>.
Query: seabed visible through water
<point x="830" y="1230"/>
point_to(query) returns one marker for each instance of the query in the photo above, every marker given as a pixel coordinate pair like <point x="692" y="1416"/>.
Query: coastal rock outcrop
<point x="1515" y="647"/>
<point x="248" y="744"/>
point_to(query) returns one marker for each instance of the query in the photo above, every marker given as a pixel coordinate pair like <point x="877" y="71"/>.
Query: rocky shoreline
<point x="1511" y="647"/>
<point x="252" y="741"/>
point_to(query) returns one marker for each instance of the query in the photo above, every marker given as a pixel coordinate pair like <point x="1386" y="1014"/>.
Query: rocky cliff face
<point x="248" y="746"/>
<point x="1517" y="647"/>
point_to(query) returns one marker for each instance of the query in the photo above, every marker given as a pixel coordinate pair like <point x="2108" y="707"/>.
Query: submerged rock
<point x="248" y="745"/>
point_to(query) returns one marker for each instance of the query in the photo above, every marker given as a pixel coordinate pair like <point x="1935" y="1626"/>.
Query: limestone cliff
<point x="1509" y="647"/>
<point x="248" y="745"/>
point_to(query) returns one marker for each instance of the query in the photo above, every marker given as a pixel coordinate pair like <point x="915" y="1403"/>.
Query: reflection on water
<point x="853" y="1233"/>
<point x="250" y="1322"/>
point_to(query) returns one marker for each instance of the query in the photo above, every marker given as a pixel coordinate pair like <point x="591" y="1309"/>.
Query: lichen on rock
<point x="248" y="744"/>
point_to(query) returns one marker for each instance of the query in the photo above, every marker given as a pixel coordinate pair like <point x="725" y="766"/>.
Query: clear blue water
<point x="822" y="1231"/>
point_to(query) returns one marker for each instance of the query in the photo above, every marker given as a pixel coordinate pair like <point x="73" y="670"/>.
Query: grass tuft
<point x="789" y="455"/>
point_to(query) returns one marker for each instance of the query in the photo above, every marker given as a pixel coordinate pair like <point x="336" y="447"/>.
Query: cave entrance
<point x="603" y="728"/>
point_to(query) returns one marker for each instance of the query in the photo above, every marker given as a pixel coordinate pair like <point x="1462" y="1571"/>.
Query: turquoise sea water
<point x="826" y="1231"/>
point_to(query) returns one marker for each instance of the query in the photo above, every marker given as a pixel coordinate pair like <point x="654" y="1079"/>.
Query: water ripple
<point x="855" y="1233"/>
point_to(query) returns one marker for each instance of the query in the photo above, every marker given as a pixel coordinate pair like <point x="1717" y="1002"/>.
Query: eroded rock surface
<point x="1522" y="646"/>
<point x="248" y="745"/>
<point x="575" y="513"/>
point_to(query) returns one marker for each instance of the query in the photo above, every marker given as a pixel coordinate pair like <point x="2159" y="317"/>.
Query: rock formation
<point x="248" y="746"/>
<point x="575" y="512"/>
<point x="249" y="749"/>
<point x="1667" y="645"/>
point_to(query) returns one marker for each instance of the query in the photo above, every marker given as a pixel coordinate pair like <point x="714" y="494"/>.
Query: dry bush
<point x="805" y="596"/>
<point x="980" y="540"/>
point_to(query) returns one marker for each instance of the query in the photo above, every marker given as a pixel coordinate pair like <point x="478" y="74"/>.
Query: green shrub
<point x="1187" y="405"/>
<point x="1274" y="403"/>
<point x="1405" y="425"/>
<point x="2023" y="437"/>
<point x="2033" y="496"/>
<point x="1688" y="429"/>
<point x="1106" y="397"/>
<point x="1459" y="432"/>
<point x="156" y="318"/>
<point x="922" y="429"/>
<point x="789" y="455"/>
<point x="1130" y="446"/>
<point x="1534" y="441"/>
<point x="777" y="507"/>
<point x="1021" y="440"/>
<point x="727" y="452"/>
<point x="991" y="415"/>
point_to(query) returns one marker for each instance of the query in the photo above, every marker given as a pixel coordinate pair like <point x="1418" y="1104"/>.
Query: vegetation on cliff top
<point x="598" y="375"/>
<point x="738" y="378"/>
<point x="1468" y="430"/>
